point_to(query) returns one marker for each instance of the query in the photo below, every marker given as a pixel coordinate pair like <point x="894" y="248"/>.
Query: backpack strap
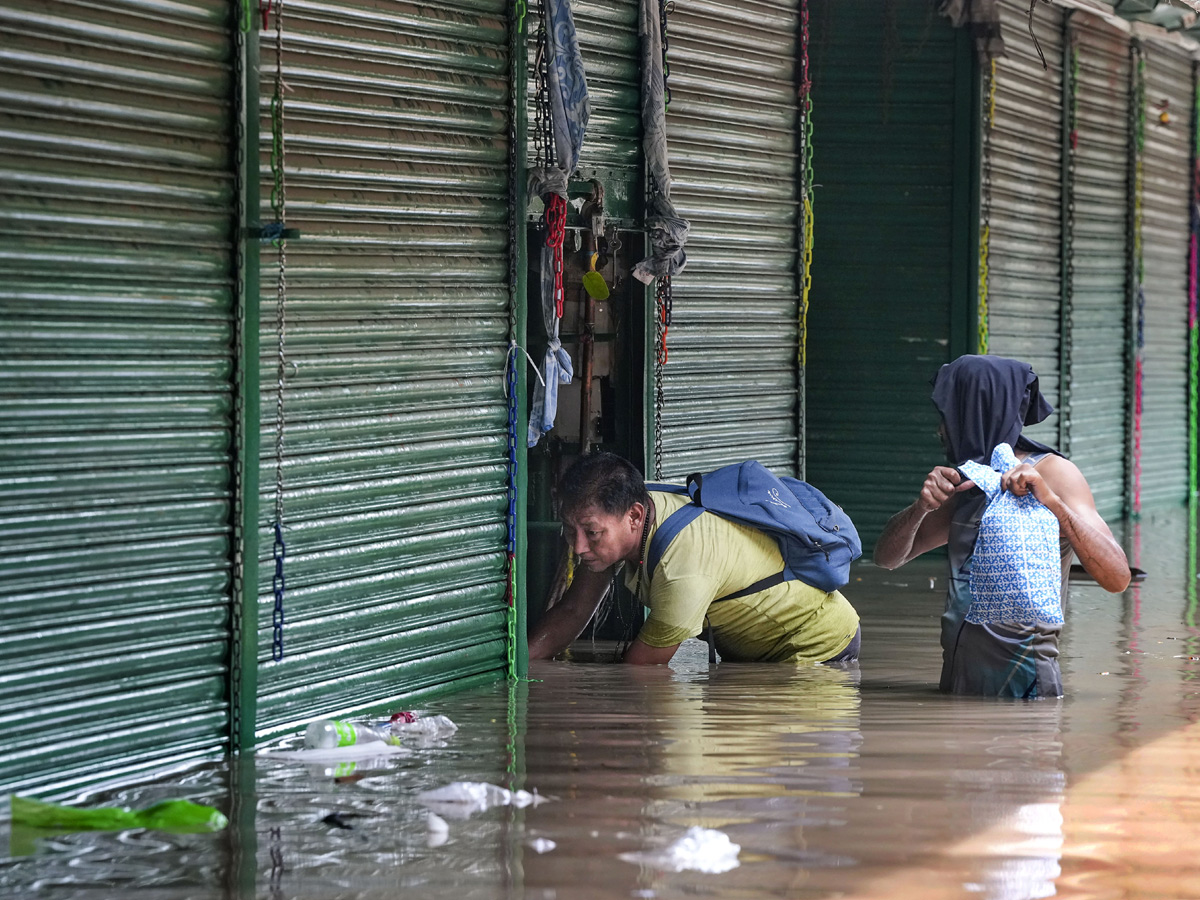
<point x="681" y="519"/>
<point x="667" y="532"/>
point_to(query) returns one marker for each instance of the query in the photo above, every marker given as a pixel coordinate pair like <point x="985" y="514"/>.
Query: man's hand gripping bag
<point x="1016" y="571"/>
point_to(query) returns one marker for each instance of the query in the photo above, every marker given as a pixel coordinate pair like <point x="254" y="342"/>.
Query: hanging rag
<point x="568" y="85"/>
<point x="1016" y="570"/>
<point x="668" y="230"/>
<point x="556" y="365"/>
<point x="569" y="113"/>
<point x="982" y="19"/>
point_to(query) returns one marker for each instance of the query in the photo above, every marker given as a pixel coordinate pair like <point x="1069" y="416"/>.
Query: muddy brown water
<point x="833" y="782"/>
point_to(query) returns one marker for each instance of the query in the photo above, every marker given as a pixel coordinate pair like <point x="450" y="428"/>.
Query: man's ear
<point x="637" y="515"/>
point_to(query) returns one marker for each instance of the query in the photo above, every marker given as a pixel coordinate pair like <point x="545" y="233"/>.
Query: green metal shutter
<point x="612" y="147"/>
<point x="892" y="124"/>
<point x="397" y="329"/>
<point x="1024" y="296"/>
<point x="1167" y="174"/>
<point x="1096" y="398"/>
<point x="116" y="340"/>
<point x="731" y="381"/>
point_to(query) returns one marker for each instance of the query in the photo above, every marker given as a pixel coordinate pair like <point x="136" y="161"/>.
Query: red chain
<point x="805" y="80"/>
<point x="664" y="313"/>
<point x="556" y="232"/>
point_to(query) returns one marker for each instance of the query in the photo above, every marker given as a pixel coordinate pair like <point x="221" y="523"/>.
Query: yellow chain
<point x="985" y="230"/>
<point x="992" y="97"/>
<point x="984" y="235"/>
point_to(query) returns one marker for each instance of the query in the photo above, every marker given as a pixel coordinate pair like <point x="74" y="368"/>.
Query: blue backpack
<point x="816" y="538"/>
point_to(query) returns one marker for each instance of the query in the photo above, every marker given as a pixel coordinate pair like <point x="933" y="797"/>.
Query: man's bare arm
<point x="923" y="525"/>
<point x="564" y="621"/>
<point x="1062" y="489"/>
<point x="642" y="654"/>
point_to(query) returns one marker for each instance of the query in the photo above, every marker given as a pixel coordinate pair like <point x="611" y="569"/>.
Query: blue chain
<point x="277" y="585"/>
<point x="514" y="360"/>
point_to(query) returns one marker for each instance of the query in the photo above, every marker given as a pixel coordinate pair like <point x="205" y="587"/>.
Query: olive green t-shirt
<point x="713" y="557"/>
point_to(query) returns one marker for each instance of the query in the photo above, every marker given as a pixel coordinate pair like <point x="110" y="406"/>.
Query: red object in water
<point x="406" y="717"/>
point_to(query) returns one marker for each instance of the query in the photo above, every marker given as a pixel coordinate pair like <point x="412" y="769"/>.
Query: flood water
<point x="862" y="782"/>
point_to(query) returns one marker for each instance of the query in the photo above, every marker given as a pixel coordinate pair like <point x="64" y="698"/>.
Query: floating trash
<point x="700" y="850"/>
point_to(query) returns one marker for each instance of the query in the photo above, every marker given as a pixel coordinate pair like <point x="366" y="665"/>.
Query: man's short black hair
<point x="603" y="480"/>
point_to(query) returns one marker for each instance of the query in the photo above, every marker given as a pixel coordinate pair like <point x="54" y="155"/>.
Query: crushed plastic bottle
<point x="325" y="734"/>
<point x="428" y="727"/>
<point x="462" y="799"/>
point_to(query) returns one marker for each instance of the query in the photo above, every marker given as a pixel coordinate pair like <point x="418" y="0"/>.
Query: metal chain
<point x="240" y="562"/>
<point x="1193" y="336"/>
<point x="665" y="8"/>
<point x="1068" y="302"/>
<point x="660" y="354"/>
<point x="543" y="128"/>
<point x="985" y="207"/>
<point x="279" y="206"/>
<point x="275" y="851"/>
<point x="806" y="236"/>
<point x="513" y="360"/>
<point x="1139" y="146"/>
<point x="663" y="296"/>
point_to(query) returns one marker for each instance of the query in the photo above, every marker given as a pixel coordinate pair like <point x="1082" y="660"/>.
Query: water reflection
<point x="858" y="782"/>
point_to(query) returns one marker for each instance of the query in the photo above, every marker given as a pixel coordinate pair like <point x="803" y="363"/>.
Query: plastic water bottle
<point x="325" y="734"/>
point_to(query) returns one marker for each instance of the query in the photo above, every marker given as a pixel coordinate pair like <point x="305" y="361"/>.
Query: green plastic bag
<point x="179" y="816"/>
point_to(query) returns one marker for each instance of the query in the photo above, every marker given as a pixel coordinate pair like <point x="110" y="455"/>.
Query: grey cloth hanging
<point x="668" y="230"/>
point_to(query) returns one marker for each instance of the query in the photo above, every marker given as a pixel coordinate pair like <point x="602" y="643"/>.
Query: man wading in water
<point x="985" y="401"/>
<point x="609" y="520"/>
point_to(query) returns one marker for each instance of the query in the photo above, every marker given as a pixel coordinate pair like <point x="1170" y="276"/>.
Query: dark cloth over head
<point x="985" y="401"/>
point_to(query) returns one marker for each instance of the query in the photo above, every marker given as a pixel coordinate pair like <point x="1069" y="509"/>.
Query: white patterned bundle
<point x="1016" y="572"/>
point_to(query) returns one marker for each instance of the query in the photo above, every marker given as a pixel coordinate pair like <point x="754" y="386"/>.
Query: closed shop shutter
<point x="891" y="109"/>
<point x="1096" y="398"/>
<point x="1024" y="296"/>
<point x="1167" y="173"/>
<point x="117" y="208"/>
<point x="731" y="380"/>
<point x="612" y="148"/>
<point x="397" y="329"/>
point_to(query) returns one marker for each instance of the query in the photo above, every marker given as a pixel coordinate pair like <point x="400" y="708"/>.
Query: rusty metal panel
<point x="1097" y="404"/>
<point x="117" y="209"/>
<point x="395" y="461"/>
<point x="1166" y="219"/>
<point x="1025" y="300"/>
<point x="731" y="380"/>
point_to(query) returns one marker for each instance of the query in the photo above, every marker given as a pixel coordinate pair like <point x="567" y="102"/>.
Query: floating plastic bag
<point x="700" y="849"/>
<point x="1016" y="571"/>
<point x="178" y="816"/>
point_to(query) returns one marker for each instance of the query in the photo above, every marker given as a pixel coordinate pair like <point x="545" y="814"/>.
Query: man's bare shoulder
<point x="1054" y="467"/>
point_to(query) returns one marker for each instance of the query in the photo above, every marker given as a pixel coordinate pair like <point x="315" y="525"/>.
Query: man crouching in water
<point x="609" y="519"/>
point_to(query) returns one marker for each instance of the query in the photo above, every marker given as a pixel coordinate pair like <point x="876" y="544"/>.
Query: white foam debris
<point x="699" y="850"/>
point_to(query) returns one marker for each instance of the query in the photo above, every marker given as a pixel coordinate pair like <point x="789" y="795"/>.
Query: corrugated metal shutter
<point x="1167" y="173"/>
<point x="116" y="331"/>
<point x="397" y="328"/>
<point x="731" y="381"/>
<point x="886" y="132"/>
<point x="1097" y="397"/>
<point x="1025" y="263"/>
<point x="612" y="148"/>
